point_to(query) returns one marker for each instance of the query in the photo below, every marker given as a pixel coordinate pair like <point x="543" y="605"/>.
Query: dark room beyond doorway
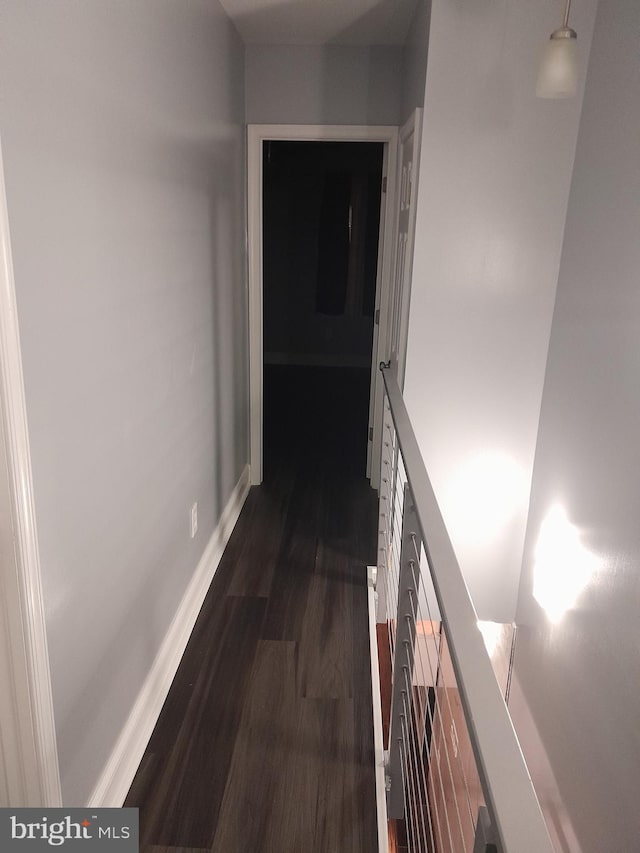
<point x="321" y="221"/>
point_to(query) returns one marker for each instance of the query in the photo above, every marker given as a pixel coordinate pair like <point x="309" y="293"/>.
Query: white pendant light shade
<point x="558" y="77"/>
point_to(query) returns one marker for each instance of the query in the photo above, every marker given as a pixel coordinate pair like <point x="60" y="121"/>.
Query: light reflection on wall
<point x="563" y="566"/>
<point x="484" y="495"/>
<point x="491" y="633"/>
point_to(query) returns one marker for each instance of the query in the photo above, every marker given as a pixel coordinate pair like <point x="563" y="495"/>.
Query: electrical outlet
<point x="194" y="519"/>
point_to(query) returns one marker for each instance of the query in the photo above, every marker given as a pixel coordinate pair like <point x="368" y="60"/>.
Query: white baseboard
<point x="120" y="769"/>
<point x="378" y="743"/>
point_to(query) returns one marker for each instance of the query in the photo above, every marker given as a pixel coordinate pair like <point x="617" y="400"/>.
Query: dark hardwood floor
<point x="265" y="742"/>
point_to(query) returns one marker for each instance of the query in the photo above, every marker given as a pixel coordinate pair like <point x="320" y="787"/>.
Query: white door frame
<point x="28" y="751"/>
<point x="257" y="134"/>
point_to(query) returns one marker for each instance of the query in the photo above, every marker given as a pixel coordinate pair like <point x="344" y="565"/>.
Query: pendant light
<point x="558" y="77"/>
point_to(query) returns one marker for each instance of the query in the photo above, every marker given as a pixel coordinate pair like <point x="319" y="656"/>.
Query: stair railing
<point x="455" y="770"/>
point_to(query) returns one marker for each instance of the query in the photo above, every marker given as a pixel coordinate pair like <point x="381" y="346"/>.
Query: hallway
<point x="265" y="742"/>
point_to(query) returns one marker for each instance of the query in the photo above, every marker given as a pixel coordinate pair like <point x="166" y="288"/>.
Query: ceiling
<point x="321" y="21"/>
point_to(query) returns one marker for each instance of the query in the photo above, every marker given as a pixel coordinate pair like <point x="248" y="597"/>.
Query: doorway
<point x="318" y="306"/>
<point x="321" y="223"/>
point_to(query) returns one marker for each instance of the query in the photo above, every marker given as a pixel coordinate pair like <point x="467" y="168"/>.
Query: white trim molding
<point x="120" y="769"/>
<point x="21" y="579"/>
<point x="257" y="134"/>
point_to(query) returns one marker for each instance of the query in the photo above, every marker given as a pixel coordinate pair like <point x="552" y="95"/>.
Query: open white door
<point x="394" y="311"/>
<point x="386" y="249"/>
<point x="408" y="165"/>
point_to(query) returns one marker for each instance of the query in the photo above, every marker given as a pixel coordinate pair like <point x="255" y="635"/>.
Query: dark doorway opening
<point x="321" y="222"/>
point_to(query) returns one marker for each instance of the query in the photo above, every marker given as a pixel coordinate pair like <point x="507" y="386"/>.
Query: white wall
<point x="414" y="59"/>
<point x="575" y="698"/>
<point x="494" y="181"/>
<point x="323" y="84"/>
<point x="124" y="158"/>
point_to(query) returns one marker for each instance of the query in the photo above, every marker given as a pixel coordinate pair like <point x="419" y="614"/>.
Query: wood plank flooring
<point x="265" y="742"/>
